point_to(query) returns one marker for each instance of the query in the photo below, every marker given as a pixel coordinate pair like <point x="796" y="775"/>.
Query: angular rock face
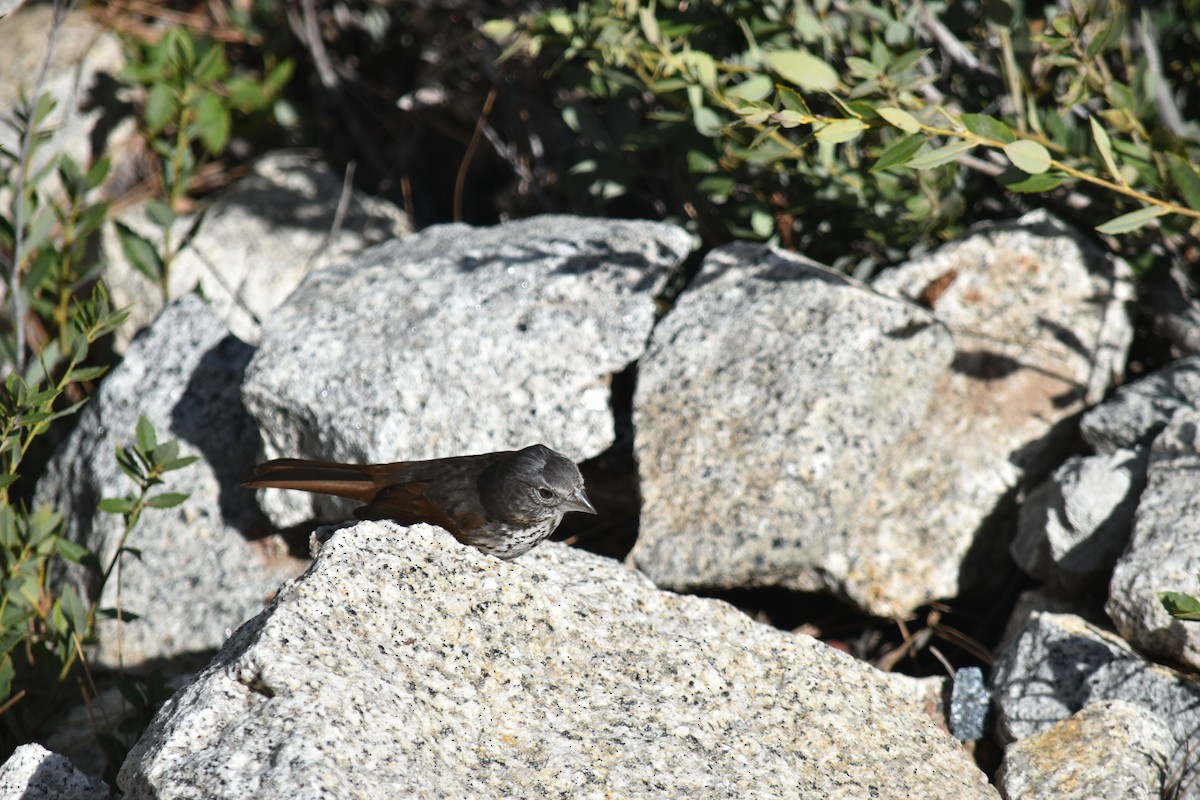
<point x="1076" y="523"/>
<point x="34" y="773"/>
<point x="1164" y="553"/>
<point x="768" y="403"/>
<point x="198" y="576"/>
<point x="803" y="431"/>
<point x="1057" y="664"/>
<point x="1111" y="750"/>
<point x="256" y="241"/>
<point x="459" y="340"/>
<point x="403" y="664"/>
<point x="1137" y="412"/>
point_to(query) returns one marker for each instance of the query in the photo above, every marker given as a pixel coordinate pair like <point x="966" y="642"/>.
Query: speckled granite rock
<point x="459" y="340"/>
<point x="199" y="576"/>
<point x="770" y="401"/>
<point x="1164" y="553"/>
<point x="1074" y="525"/>
<point x="1110" y="750"/>
<point x="1057" y="664"/>
<point x="1041" y="326"/>
<point x="404" y="665"/>
<point x="258" y="239"/>
<point x="1136" y="413"/>
<point x="793" y="433"/>
<point x="34" y="773"/>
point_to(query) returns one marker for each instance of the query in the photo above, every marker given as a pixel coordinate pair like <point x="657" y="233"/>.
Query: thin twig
<point x="339" y="214"/>
<point x="954" y="49"/>
<point x="316" y="46"/>
<point x="461" y="180"/>
<point x="1167" y="111"/>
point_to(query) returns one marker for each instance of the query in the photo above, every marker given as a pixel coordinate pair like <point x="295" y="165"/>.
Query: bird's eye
<point x="545" y="493"/>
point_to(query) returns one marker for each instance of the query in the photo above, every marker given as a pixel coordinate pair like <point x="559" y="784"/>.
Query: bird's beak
<point x="578" y="501"/>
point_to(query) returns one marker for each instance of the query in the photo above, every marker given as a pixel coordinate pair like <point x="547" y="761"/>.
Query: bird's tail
<point x="323" y="477"/>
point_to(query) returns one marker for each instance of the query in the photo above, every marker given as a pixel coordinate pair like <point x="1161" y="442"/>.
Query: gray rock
<point x="1110" y="750"/>
<point x="198" y="576"/>
<point x="256" y="242"/>
<point x="34" y="773"/>
<point x="458" y="340"/>
<point x="1059" y="664"/>
<point x="405" y="665"/>
<point x="1164" y="554"/>
<point x="831" y="444"/>
<point x="1035" y="307"/>
<point x="770" y="400"/>
<point x="1136" y="413"/>
<point x="82" y="125"/>
<point x="1074" y="525"/>
<point x="9" y="6"/>
<point x="969" y="704"/>
<point x="1040" y="324"/>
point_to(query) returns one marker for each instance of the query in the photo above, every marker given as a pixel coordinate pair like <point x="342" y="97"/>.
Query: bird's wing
<point x="412" y="494"/>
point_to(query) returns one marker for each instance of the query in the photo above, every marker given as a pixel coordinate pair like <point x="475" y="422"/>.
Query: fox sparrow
<point x="502" y="503"/>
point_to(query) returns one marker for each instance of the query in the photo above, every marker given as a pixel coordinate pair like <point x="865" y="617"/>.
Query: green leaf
<point x="707" y="122"/>
<point x="988" y="127"/>
<point x="1028" y="156"/>
<point x="649" y="26"/>
<point x="1186" y="180"/>
<point x="499" y="29"/>
<point x="906" y="61"/>
<point x="116" y="505"/>
<point x="167" y="451"/>
<point x="178" y="463"/>
<point x="756" y="87"/>
<point x="1104" y="145"/>
<point x="15" y="631"/>
<point x="762" y="223"/>
<point x="7" y="673"/>
<point x="121" y="614"/>
<point x="146" y="440"/>
<point x="1132" y="221"/>
<point x="45" y="104"/>
<point x="73" y="609"/>
<point x="92" y="217"/>
<point x="81" y="374"/>
<point x="941" y="156"/>
<point x="278" y="78"/>
<point x="38" y="232"/>
<point x="1102" y="38"/>
<point x="791" y="119"/>
<point x="793" y="101"/>
<point x="71" y="551"/>
<point x="98" y="172"/>
<point x="140" y="252"/>
<point x="212" y="66"/>
<point x="129" y="465"/>
<point x="160" y="107"/>
<point x="1180" y="606"/>
<point x="166" y="500"/>
<point x="842" y="130"/>
<point x="862" y="67"/>
<point x="803" y="69"/>
<point x="160" y="214"/>
<point x="1017" y="181"/>
<point x="899" y="118"/>
<point x="898" y="153"/>
<point x="213" y="122"/>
